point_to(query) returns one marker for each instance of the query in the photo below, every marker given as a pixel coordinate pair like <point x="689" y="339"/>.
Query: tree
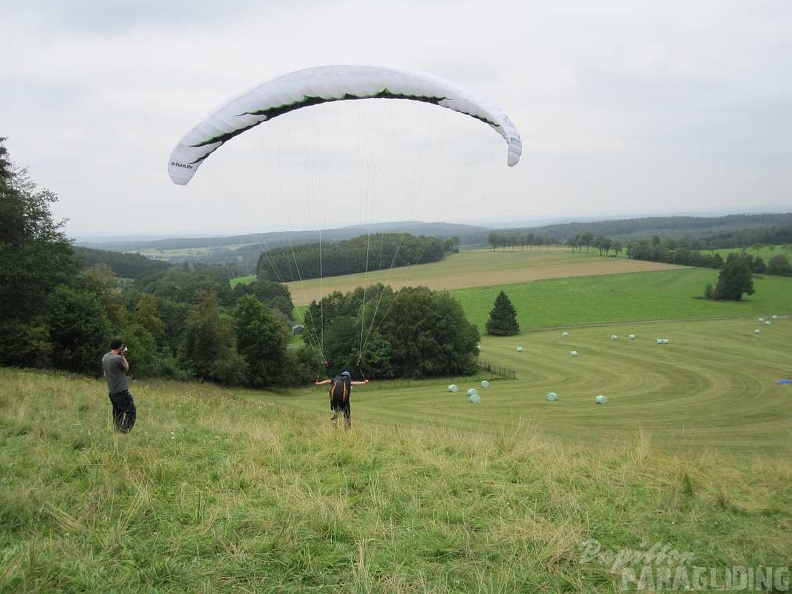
<point x="35" y="258"/>
<point x="80" y="329"/>
<point x="603" y="244"/>
<point x="208" y="349"/>
<point x="734" y="279"/>
<point x="275" y="295"/>
<point x="429" y="335"/>
<point x="261" y="340"/>
<point x="503" y="317"/>
<point x="779" y="264"/>
<point x="413" y="333"/>
<point x="587" y="240"/>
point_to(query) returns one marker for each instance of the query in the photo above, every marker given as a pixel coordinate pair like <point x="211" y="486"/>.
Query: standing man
<point x="116" y="367"/>
<point x="340" y="390"/>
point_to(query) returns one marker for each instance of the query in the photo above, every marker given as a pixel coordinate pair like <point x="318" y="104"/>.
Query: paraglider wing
<point x="321" y="85"/>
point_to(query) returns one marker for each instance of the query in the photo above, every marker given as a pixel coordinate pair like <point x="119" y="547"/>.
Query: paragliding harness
<point x="339" y="392"/>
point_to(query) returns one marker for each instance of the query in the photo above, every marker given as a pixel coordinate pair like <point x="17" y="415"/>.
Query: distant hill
<point x="284" y="238"/>
<point x="244" y="250"/>
<point x="644" y="228"/>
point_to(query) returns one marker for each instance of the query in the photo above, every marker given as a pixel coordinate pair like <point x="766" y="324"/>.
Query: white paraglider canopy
<point x="324" y="84"/>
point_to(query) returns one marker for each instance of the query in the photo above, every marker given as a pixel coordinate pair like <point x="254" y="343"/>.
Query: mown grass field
<point x="229" y="490"/>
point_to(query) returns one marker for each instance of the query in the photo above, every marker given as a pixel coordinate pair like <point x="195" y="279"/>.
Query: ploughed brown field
<point x="479" y="268"/>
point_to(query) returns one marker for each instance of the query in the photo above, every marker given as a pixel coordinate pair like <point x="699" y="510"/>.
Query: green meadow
<point x="764" y="251"/>
<point x="229" y="490"/>
<point x="638" y="296"/>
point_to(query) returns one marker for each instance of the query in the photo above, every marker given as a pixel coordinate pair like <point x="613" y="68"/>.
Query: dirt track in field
<point x="307" y="291"/>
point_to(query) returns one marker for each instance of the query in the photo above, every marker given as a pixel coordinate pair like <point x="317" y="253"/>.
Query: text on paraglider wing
<point x="182" y="165"/>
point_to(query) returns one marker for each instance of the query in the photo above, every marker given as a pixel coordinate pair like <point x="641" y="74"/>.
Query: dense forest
<point x="362" y="254"/>
<point x="122" y="264"/>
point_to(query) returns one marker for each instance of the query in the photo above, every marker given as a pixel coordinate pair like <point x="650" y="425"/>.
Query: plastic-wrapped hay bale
<point x="631" y="336"/>
<point x="552" y="396"/>
<point x="573" y="353"/>
<point x="564" y="334"/>
<point x="472" y="392"/>
<point x="475" y="398"/>
<point x="519" y="349"/>
<point x="757" y="331"/>
<point x="614" y="337"/>
<point x="601" y="399"/>
<point x="453" y="388"/>
<point x="484" y="384"/>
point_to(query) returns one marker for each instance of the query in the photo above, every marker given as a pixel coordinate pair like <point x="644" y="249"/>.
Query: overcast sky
<point x="625" y="107"/>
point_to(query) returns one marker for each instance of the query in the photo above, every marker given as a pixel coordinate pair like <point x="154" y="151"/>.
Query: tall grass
<point x="221" y="491"/>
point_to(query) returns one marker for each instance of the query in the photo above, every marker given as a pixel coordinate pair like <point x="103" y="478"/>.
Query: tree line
<point x="122" y="264"/>
<point x="681" y="252"/>
<point x="365" y="253"/>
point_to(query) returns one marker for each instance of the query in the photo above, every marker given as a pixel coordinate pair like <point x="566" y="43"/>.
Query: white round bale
<point x="552" y="396"/>
<point x="564" y="334"/>
<point x="614" y="337"/>
<point x="631" y="336"/>
<point x="472" y="391"/>
<point x="453" y="388"/>
<point x="519" y="349"/>
<point x="601" y="399"/>
<point x="573" y="353"/>
<point x="484" y="384"/>
<point x="757" y="331"/>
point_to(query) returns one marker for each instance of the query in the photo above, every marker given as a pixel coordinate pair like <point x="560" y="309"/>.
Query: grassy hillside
<point x="712" y="386"/>
<point x="220" y="490"/>
<point x="224" y="491"/>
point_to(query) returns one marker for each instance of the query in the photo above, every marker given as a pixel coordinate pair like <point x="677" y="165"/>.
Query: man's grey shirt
<point x="115" y="373"/>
